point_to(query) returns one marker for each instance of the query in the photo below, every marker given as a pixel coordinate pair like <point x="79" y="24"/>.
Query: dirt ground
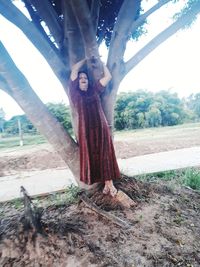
<point x="163" y="230"/>
<point x="130" y="144"/>
<point x="163" y="227"/>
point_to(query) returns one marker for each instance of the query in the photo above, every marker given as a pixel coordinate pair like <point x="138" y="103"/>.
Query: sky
<point x="173" y="66"/>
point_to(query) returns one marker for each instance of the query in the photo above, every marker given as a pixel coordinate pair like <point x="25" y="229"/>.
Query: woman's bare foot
<point x="106" y="190"/>
<point x="113" y="191"/>
<point x="110" y="188"/>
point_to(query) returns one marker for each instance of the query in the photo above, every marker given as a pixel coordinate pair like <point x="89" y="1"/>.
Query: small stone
<point x="124" y="200"/>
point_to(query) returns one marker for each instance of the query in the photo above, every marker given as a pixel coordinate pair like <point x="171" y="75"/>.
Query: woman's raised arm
<point x="107" y="76"/>
<point x="75" y="69"/>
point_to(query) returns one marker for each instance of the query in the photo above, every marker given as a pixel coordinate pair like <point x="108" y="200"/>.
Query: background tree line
<point x="143" y="109"/>
<point x="10" y="127"/>
<point x="140" y="109"/>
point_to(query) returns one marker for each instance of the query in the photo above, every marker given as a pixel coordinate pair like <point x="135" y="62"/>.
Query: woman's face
<point x="83" y="81"/>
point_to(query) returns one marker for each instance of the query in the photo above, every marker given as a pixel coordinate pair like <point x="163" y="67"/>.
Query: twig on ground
<point x="191" y="189"/>
<point x="109" y="216"/>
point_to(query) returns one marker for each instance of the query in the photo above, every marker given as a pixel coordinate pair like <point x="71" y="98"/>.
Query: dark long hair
<point x="90" y="81"/>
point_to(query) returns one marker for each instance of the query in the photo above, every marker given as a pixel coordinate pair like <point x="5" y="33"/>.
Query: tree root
<point x="107" y="215"/>
<point x="32" y="215"/>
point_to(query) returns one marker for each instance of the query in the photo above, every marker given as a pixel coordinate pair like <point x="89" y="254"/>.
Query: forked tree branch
<point x="144" y="16"/>
<point x="121" y="32"/>
<point x="95" y="9"/>
<point x="83" y="17"/>
<point x="49" y="16"/>
<point x="72" y="36"/>
<point x="37" y="22"/>
<point x="161" y="37"/>
<point x="12" y="13"/>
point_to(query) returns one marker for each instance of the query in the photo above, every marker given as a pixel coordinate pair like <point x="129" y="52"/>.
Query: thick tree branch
<point x="160" y="38"/>
<point x="134" y="25"/>
<point x="83" y="17"/>
<point x="82" y="14"/>
<point x="37" y="22"/>
<point x="72" y="35"/>
<point x="10" y="12"/>
<point x="144" y="16"/>
<point x="72" y="40"/>
<point x="38" y="113"/>
<point x="95" y="8"/>
<point x="121" y="32"/>
<point x="49" y="16"/>
<point x="4" y="85"/>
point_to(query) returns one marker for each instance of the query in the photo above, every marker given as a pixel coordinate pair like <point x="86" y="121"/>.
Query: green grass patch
<point x="10" y="142"/>
<point x="17" y="203"/>
<point x="164" y="176"/>
<point x="191" y="178"/>
<point x="188" y="177"/>
<point x="68" y="197"/>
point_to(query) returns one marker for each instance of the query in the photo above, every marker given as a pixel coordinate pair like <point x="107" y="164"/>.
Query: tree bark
<point x="121" y="32"/>
<point x="72" y="39"/>
<point x="124" y="26"/>
<point x="95" y="8"/>
<point x="3" y="85"/>
<point x="84" y="20"/>
<point x="48" y="14"/>
<point x="119" y="38"/>
<point x="72" y="34"/>
<point x="37" y="22"/>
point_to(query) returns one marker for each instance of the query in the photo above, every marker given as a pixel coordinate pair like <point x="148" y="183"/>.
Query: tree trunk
<point x="38" y="113"/>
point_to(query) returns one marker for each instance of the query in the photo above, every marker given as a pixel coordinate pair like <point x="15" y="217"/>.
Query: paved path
<point x="41" y="182"/>
<point x="163" y="161"/>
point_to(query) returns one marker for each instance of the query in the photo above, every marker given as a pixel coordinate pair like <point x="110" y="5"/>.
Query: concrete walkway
<point x="46" y="181"/>
<point x="163" y="161"/>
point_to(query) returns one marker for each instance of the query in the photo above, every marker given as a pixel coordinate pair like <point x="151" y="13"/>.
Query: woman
<point x="97" y="157"/>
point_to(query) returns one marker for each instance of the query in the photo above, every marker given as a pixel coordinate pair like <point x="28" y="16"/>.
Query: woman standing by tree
<point x="97" y="157"/>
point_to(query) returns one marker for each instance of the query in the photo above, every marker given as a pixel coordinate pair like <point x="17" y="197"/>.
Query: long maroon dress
<point x="97" y="157"/>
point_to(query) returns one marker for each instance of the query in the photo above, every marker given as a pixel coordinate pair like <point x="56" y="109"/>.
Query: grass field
<point x="14" y="141"/>
<point x="187" y="131"/>
<point x="149" y="133"/>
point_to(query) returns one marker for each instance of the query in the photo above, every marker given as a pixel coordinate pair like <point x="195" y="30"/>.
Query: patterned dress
<point x="97" y="156"/>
